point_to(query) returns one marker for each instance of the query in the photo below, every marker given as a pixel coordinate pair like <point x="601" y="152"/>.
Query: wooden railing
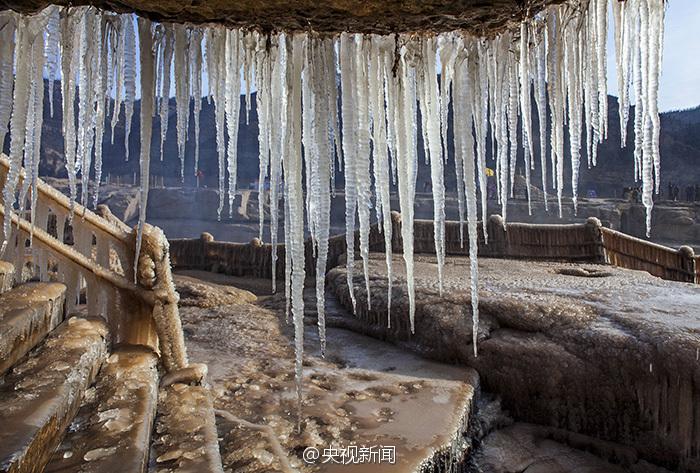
<point x="254" y="259"/>
<point x="629" y="252"/>
<point x="100" y="264"/>
<point x="574" y="242"/>
<point x="583" y="242"/>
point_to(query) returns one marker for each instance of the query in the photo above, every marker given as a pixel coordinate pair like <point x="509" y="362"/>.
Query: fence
<point x="629" y="252"/>
<point x="141" y="308"/>
<point x="254" y="259"/>
<point x="584" y="242"/>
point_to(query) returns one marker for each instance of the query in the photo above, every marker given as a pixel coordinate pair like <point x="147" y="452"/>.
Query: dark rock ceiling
<point x="482" y="17"/>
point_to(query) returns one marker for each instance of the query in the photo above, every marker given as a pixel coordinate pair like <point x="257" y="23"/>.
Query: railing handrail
<point x="85" y="214"/>
<point x="583" y="241"/>
<point x="69" y="253"/>
<point x="640" y="241"/>
<point x="154" y="287"/>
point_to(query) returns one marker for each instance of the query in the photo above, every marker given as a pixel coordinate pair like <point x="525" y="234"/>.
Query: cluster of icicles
<point x="349" y="102"/>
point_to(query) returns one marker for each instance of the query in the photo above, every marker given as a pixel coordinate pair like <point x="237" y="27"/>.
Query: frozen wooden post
<point x="498" y="243"/>
<point x="688" y="262"/>
<point x="595" y="236"/>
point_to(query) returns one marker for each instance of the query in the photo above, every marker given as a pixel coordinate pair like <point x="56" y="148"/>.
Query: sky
<point x="679" y="87"/>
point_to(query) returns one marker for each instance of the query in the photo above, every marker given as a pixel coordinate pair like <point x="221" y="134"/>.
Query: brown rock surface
<point x="614" y="357"/>
<point x="374" y="16"/>
<point x="195" y="293"/>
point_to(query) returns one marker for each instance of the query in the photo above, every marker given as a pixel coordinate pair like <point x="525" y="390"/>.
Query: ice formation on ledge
<point x="556" y="58"/>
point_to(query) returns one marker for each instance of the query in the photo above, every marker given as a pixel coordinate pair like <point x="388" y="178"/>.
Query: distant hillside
<point x="680" y="151"/>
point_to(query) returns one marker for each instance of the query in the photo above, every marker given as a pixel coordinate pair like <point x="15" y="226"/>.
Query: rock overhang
<point x="479" y="17"/>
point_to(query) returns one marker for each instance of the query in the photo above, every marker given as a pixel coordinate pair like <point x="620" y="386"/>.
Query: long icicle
<point x="147" y="61"/>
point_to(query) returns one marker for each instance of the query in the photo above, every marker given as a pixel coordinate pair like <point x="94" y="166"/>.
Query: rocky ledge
<point x="597" y="350"/>
<point x="365" y="16"/>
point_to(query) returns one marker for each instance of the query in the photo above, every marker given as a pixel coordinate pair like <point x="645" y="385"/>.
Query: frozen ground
<point x="366" y="391"/>
<point x="603" y="351"/>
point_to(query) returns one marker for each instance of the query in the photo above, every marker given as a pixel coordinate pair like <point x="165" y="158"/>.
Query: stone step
<point x="186" y="439"/>
<point x="41" y="395"/>
<point x="7" y="271"/>
<point x="27" y="314"/>
<point x="112" y="430"/>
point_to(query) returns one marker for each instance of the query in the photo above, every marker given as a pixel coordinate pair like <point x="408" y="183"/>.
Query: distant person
<point x="635" y="194"/>
<point x="676" y="193"/>
<point x="690" y="194"/>
<point x="200" y="176"/>
<point x="670" y="191"/>
<point x="697" y="192"/>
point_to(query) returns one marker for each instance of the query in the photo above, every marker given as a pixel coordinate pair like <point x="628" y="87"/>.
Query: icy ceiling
<point x="482" y="17"/>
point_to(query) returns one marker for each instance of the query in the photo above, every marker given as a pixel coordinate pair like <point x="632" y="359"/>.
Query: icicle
<point x="167" y="59"/>
<point x="87" y="96"/>
<point x="7" y="59"/>
<point x="405" y="115"/>
<point x="501" y="92"/>
<point x="52" y="52"/>
<point x="512" y="108"/>
<point x="347" y="77"/>
<point x="24" y="118"/>
<point x="195" y="68"/>
<point x="464" y="145"/>
<point x="219" y="52"/>
<point x="319" y="151"/>
<point x="69" y="59"/>
<point x="556" y="85"/>
<point x="294" y="196"/>
<point x="147" y="61"/>
<point x="233" y="105"/>
<point x="182" y="92"/>
<point x="601" y="43"/>
<point x="656" y="41"/>
<point x="263" y="106"/>
<point x="572" y="76"/>
<point x="447" y="57"/>
<point x="36" y="125"/>
<point x="380" y="57"/>
<point x="525" y="107"/>
<point x="129" y="72"/>
<point x="618" y="9"/>
<point x="362" y="158"/>
<point x="117" y="68"/>
<point x="480" y="112"/>
<point x="102" y="98"/>
<point x="248" y="51"/>
<point x="278" y="132"/>
<point x="541" y="102"/>
<point x="430" y="113"/>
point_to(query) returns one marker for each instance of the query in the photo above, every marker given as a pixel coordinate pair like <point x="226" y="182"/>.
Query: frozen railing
<point x="629" y="252"/>
<point x="100" y="265"/>
<point x="583" y="242"/>
<point x="572" y="242"/>
<point x="253" y="259"/>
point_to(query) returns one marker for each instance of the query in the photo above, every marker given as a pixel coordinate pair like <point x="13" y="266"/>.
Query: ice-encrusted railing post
<point x="497" y="237"/>
<point x="154" y="274"/>
<point x="687" y="263"/>
<point x="595" y="239"/>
